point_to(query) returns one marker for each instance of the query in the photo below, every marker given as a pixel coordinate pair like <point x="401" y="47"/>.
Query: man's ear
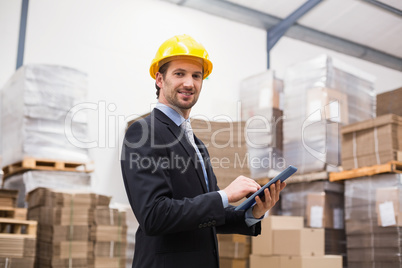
<point x="158" y="79"/>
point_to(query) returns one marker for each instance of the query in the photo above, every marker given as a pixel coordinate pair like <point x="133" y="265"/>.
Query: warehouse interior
<point x="111" y="45"/>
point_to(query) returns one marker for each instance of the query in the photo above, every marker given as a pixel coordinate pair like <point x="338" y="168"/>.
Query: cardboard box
<point x="325" y="210"/>
<point x="65" y="250"/>
<point x="64" y="216"/>
<point x="53" y="198"/>
<point x="302" y="242"/>
<point x="226" y="146"/>
<point x="109" y="216"/>
<point x="234" y="246"/>
<point x="108" y="233"/>
<point x="390" y="102"/>
<point x="263" y="90"/>
<point x="110" y="249"/>
<point x="57" y="233"/>
<point x="17" y="246"/>
<point x="330" y="104"/>
<point x="388" y="206"/>
<point x="63" y="262"/>
<point x="327" y="261"/>
<point x="108" y="262"/>
<point x="233" y="263"/>
<point x="376" y="254"/>
<point x="365" y="264"/>
<point x="234" y="238"/>
<point x="374" y="240"/>
<point x="259" y="261"/>
<point x="372" y="142"/>
<point x="17" y="262"/>
<point x="335" y="241"/>
<point x="264" y="243"/>
<point x="234" y="250"/>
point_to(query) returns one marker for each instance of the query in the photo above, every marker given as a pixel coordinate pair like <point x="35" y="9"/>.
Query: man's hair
<point x="162" y="70"/>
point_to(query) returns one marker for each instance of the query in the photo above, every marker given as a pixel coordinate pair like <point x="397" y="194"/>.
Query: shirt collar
<point x="171" y="113"/>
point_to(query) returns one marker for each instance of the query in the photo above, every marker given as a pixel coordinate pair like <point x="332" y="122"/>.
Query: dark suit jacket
<point x="178" y="218"/>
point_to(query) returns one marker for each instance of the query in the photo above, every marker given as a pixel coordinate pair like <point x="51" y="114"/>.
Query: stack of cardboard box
<point x="390" y="102"/>
<point x="321" y="95"/>
<point x="32" y="179"/>
<point x="132" y="224"/>
<point x="234" y="250"/>
<point x="321" y="204"/>
<point x="64" y="219"/>
<point x="261" y="109"/>
<point x="18" y="236"/>
<point x="227" y="148"/>
<point x="372" y="142"/>
<point x="373" y="221"/>
<point x="284" y="243"/>
<point x="109" y="236"/>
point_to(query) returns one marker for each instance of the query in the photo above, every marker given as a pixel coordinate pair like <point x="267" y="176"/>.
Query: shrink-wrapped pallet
<point x="321" y="204"/>
<point x="261" y="110"/>
<point x="37" y="117"/>
<point x="30" y="180"/>
<point x="373" y="225"/>
<point x="320" y="96"/>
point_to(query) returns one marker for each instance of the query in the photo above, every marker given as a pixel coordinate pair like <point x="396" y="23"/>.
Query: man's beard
<point x="177" y="105"/>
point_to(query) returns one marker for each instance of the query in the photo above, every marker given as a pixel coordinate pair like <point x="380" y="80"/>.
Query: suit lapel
<point x="181" y="138"/>
<point x="207" y="162"/>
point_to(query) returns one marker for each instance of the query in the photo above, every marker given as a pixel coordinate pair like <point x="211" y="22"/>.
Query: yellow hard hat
<point x="180" y="45"/>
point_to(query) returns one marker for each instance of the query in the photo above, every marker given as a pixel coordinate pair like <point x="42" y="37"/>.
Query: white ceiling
<point x="353" y="20"/>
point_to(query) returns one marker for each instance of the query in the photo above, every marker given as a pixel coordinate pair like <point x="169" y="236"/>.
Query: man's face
<point x="181" y="86"/>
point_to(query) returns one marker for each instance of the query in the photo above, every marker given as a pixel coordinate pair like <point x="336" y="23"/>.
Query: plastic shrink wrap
<point x="261" y="109"/>
<point x="35" y="118"/>
<point x="321" y="204"/>
<point x="320" y="95"/>
<point x="373" y="221"/>
<point x="30" y="180"/>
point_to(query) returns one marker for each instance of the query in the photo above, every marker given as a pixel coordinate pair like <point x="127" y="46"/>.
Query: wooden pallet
<point x="316" y="176"/>
<point x="44" y="164"/>
<point x="391" y="167"/>
<point x="18" y="227"/>
<point x="13" y="213"/>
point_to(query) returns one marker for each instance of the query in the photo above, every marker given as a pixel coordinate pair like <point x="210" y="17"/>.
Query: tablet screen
<point x="281" y="176"/>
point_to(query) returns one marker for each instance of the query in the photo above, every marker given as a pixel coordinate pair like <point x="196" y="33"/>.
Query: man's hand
<point x="270" y="198"/>
<point x="241" y="187"/>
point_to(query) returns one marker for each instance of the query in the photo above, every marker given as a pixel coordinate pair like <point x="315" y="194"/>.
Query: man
<point x="168" y="176"/>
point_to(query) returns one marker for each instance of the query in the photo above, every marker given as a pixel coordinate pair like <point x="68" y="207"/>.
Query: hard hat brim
<point x="155" y="65"/>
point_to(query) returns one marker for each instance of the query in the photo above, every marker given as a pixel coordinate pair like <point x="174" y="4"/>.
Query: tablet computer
<point x="281" y="176"/>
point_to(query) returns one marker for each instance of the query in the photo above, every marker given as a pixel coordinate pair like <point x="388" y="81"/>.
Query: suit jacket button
<point x="205" y="225"/>
<point x="213" y="222"/>
<point x="200" y="226"/>
<point x="209" y="223"/>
